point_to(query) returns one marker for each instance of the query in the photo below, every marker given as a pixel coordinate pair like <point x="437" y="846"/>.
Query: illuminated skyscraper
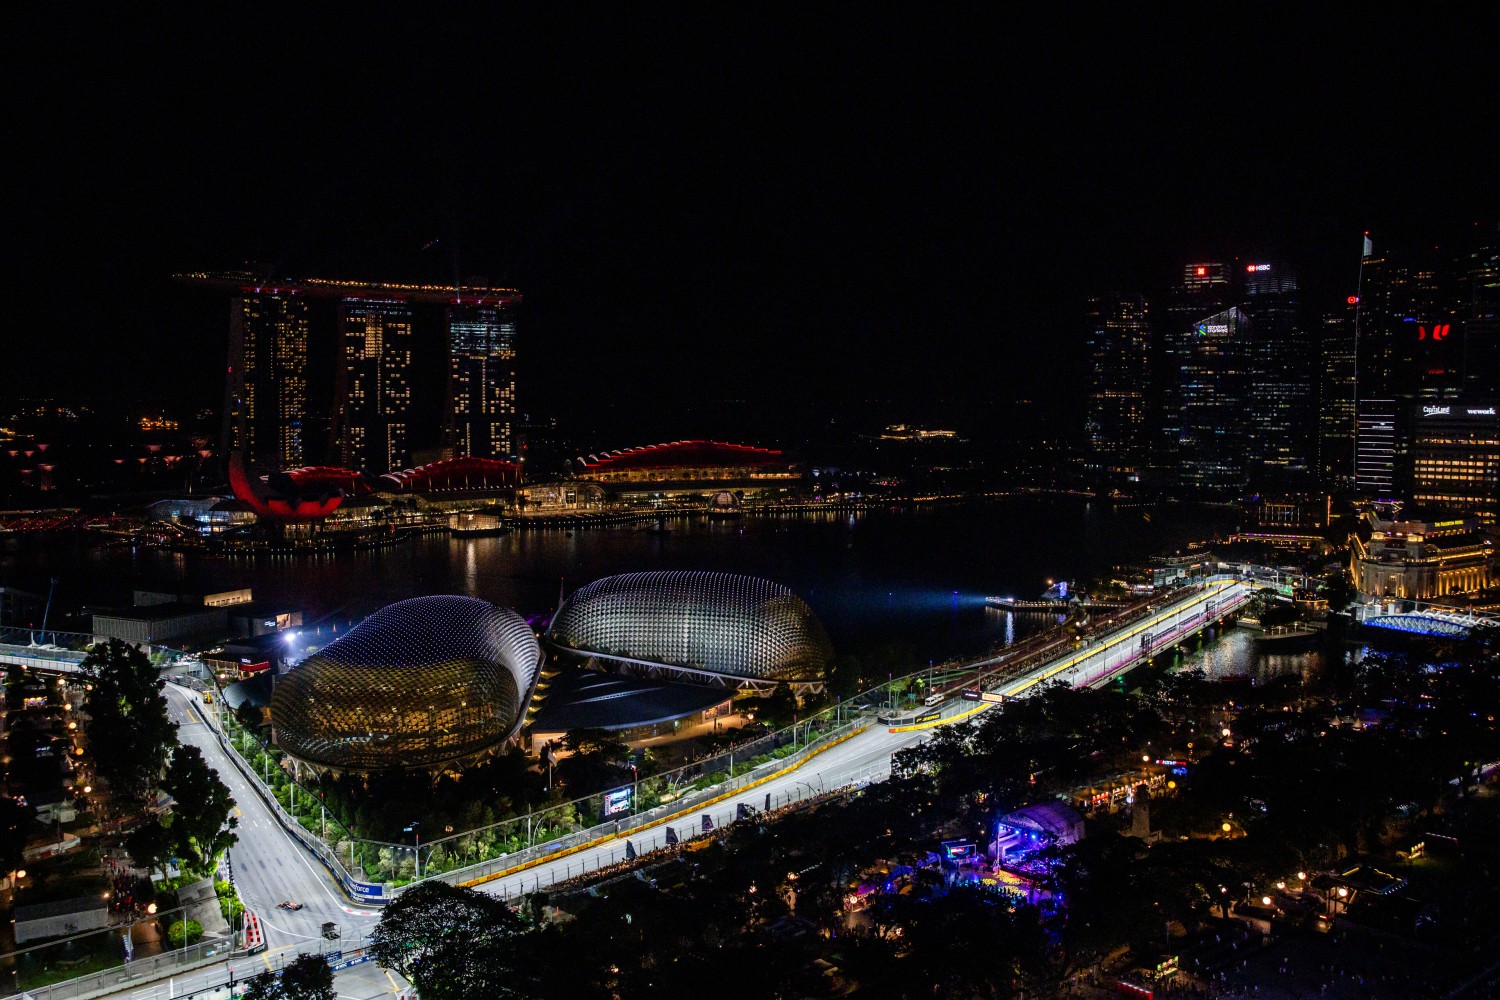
<point x="1336" y="399"/>
<point x="481" y="380"/>
<point x="1213" y="442"/>
<point x="1377" y="444"/>
<point x="265" y="393"/>
<point x="1204" y="290"/>
<point x="1119" y="341"/>
<point x="1283" y="384"/>
<point x="374" y="399"/>
<point x="1456" y="456"/>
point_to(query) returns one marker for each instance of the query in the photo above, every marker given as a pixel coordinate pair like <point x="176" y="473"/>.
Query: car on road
<point x="287" y="904"/>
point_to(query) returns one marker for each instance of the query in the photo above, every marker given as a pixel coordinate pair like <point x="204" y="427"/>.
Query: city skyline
<point x="680" y="232"/>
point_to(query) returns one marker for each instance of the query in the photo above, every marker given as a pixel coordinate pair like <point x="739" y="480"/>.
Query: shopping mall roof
<point x="682" y="454"/>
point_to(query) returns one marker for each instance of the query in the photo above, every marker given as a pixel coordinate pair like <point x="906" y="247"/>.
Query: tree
<point x="595" y="741"/>
<point x="306" y="977"/>
<point x="202" y="826"/>
<point x="1339" y="591"/>
<point x="262" y="986"/>
<point x="150" y="845"/>
<point x="595" y="761"/>
<point x="451" y="942"/>
<point x="128" y="726"/>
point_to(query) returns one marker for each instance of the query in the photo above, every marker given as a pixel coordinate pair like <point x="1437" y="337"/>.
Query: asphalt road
<point x="270" y="866"/>
<point x="867" y="756"/>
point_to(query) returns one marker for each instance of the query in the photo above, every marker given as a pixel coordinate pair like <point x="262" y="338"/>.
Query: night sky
<point x="802" y="207"/>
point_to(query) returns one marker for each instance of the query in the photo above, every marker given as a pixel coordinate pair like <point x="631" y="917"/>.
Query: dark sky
<point x="792" y="205"/>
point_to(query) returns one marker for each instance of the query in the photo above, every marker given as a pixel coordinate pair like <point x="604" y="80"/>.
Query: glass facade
<point x="1213" y="441"/>
<point x="1118" y="346"/>
<point x="418" y="684"/>
<point x="710" y="623"/>
<point x="1283" y="384"/>
<point x="482" y="381"/>
<point x="265" y="394"/>
<point x="375" y="384"/>
<point x="1456" y="457"/>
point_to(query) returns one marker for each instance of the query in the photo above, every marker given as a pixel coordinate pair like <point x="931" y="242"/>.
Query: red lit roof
<point x="678" y="454"/>
<point x="348" y="480"/>
<point x="467" y="473"/>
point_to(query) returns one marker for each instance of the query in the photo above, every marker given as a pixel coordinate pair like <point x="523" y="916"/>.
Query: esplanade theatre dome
<point x="708" y="626"/>
<point x="418" y="684"/>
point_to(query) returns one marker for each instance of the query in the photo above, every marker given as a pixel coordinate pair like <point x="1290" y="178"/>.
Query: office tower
<point x="1456" y="456"/>
<point x="1119" y="379"/>
<point x="265" y="393"/>
<point x="1336" y="399"/>
<point x="1376" y="443"/>
<point x="1482" y="323"/>
<point x="374" y="399"/>
<point x="1282" y="379"/>
<point x="1410" y="349"/>
<point x="1213" y="441"/>
<point x="481" y="380"/>
<point x="1204" y="289"/>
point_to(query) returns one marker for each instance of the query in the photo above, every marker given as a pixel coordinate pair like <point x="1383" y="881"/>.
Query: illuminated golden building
<point x="265" y="395"/>
<point x="374" y="399"/>
<point x="1423" y="559"/>
<point x="481" y="380"/>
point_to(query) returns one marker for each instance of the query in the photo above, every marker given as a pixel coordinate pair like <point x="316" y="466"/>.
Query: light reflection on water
<point x="915" y="579"/>
<point x="1237" y="652"/>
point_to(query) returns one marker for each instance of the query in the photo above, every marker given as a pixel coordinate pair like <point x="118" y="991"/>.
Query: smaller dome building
<point x="419" y="684"/>
<point x="704" y="627"/>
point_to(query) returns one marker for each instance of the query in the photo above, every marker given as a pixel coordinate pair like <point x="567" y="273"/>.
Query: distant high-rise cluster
<point x="1213" y="394"/>
<point x="1227" y="387"/>
<point x="380" y="417"/>
<point x="1427" y="376"/>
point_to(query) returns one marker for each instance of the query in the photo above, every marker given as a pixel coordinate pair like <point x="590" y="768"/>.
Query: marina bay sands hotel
<point x="379" y="397"/>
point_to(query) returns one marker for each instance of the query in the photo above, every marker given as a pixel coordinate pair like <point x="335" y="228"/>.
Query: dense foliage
<point x="127" y="726"/>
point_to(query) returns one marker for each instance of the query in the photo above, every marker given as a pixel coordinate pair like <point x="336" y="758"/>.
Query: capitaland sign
<point x="1436" y="411"/>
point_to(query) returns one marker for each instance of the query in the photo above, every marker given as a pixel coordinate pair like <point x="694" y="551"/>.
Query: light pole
<point x="417" y="850"/>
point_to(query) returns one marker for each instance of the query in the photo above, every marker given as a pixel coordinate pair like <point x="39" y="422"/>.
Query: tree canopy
<point x="306" y="977"/>
<point x="128" y="726"/>
<point x="450" y="942"/>
<point x="201" y="822"/>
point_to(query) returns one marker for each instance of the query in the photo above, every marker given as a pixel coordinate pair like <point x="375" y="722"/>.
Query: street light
<point x="417" y="851"/>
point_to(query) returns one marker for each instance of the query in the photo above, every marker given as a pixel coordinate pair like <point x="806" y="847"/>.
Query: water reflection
<point x="1236" y="653"/>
